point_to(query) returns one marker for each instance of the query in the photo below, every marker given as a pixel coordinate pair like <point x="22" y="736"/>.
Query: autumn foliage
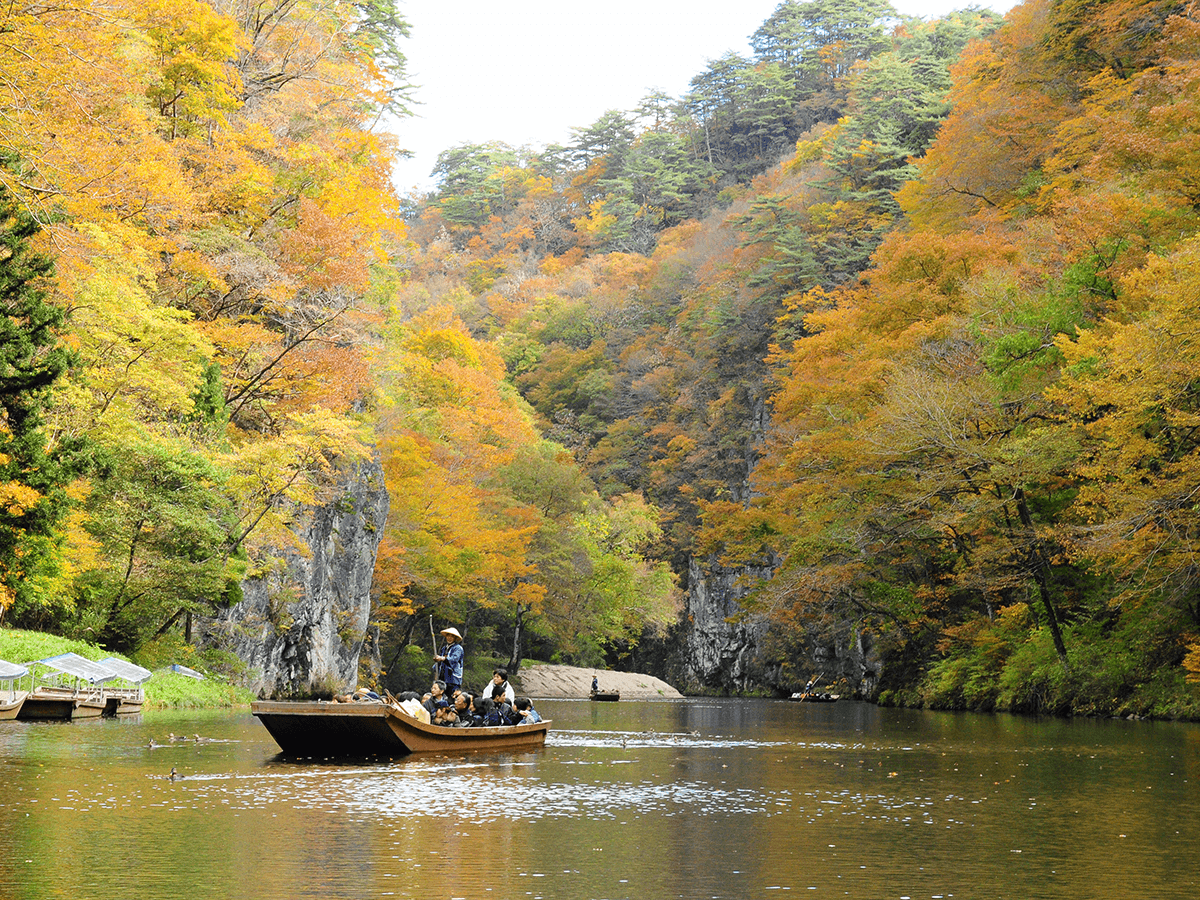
<point x="926" y="364"/>
<point x="890" y="319"/>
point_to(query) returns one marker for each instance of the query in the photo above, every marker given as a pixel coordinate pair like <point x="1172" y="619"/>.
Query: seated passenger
<point x="508" y="715"/>
<point x="489" y="716"/>
<point x="499" y="688"/>
<point x="462" y="709"/>
<point x="445" y="716"/>
<point x="436" y="698"/>
<point x="411" y="704"/>
<point x="526" y="714"/>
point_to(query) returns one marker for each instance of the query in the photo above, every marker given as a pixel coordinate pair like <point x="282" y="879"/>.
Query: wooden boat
<point x="11" y="703"/>
<point x="128" y="695"/>
<point x="610" y="696"/>
<point x="814" y="697"/>
<point x="324" y="728"/>
<point x="72" y="688"/>
<point x="48" y="703"/>
<point x="11" y="699"/>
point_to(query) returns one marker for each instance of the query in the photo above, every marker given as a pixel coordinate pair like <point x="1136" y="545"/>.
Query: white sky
<point x="530" y="72"/>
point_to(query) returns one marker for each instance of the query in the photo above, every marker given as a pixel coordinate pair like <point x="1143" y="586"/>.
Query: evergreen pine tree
<point x="32" y="479"/>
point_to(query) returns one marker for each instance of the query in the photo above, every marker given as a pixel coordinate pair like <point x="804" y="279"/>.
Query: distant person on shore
<point x="450" y="660"/>
<point x="595" y="685"/>
<point x="499" y="688"/>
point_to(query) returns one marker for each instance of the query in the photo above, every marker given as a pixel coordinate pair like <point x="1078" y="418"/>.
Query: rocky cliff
<point x="300" y="629"/>
<point x="721" y="646"/>
<point x="722" y="649"/>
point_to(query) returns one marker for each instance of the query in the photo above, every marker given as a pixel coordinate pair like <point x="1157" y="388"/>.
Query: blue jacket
<point x="452" y="665"/>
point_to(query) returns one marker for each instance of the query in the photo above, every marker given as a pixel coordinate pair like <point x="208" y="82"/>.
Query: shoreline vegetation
<point x="164" y="690"/>
<point x="169" y="690"/>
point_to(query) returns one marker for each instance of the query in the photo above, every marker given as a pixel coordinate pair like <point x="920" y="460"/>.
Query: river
<point x="642" y="800"/>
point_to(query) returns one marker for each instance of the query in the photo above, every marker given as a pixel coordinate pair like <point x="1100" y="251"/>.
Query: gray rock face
<point x="300" y="629"/>
<point x="721" y="646"/>
<point x="725" y="650"/>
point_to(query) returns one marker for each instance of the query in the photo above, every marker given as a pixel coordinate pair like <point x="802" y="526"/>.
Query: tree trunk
<point x="1041" y="575"/>
<point x="514" y="661"/>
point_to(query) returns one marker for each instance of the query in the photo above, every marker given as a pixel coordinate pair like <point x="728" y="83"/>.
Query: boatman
<point x="450" y="660"/>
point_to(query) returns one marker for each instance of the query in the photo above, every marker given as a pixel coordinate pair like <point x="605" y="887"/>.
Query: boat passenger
<point x="508" y="716"/>
<point x="462" y="709"/>
<point x="499" y="688"/>
<point x="411" y="704"/>
<point x="473" y="709"/>
<point x="436" y="698"/>
<point x="445" y="716"/>
<point x="526" y="714"/>
<point x="489" y="716"/>
<point x="450" y="660"/>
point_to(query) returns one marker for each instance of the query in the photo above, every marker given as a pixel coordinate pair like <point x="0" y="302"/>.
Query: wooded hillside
<point x="898" y="310"/>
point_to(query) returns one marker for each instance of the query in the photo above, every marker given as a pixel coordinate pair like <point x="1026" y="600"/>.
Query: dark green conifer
<point x="32" y="358"/>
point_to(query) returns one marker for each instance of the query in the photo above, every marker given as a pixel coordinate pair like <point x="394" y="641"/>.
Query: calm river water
<point x="641" y="800"/>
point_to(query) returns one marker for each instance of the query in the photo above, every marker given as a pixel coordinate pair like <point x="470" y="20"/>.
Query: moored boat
<point x="72" y="687"/>
<point x="11" y="699"/>
<point x="609" y="696"/>
<point x="128" y="695"/>
<point x="323" y="728"/>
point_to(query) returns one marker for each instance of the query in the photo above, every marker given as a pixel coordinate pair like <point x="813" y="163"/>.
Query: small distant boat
<point x="330" y="729"/>
<point x="11" y="699"/>
<point x="814" y="697"/>
<point x="609" y="696"/>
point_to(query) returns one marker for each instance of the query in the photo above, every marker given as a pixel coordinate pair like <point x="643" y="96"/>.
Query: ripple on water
<point x="406" y="791"/>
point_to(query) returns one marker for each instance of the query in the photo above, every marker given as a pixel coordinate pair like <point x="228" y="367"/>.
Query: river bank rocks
<point x="571" y="682"/>
<point x="300" y="628"/>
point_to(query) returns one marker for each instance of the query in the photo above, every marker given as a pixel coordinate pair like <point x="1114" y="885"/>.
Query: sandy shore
<point x="557" y="682"/>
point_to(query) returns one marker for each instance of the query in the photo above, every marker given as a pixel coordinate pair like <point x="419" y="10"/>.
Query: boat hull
<point x="607" y="696"/>
<point x="815" y="698"/>
<point x="39" y="705"/>
<point x="89" y="709"/>
<point x="320" y="728"/>
<point x="10" y="706"/>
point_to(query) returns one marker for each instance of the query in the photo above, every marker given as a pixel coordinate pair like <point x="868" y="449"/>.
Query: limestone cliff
<point x="722" y="649"/>
<point x="300" y="629"/>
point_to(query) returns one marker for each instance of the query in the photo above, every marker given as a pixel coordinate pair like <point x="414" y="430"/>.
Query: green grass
<point x="164" y="690"/>
<point x="170" y="690"/>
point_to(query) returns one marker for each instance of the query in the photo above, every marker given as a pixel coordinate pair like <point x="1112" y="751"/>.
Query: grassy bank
<point x="164" y="690"/>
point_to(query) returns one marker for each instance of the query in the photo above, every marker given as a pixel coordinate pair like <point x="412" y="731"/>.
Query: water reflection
<point x="626" y="800"/>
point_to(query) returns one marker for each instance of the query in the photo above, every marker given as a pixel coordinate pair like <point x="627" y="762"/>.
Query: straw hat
<point x="453" y="632"/>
